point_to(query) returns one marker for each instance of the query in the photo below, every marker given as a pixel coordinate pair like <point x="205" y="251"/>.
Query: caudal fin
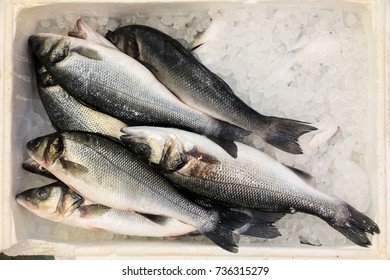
<point x="354" y="225"/>
<point x="222" y="231"/>
<point x="284" y="133"/>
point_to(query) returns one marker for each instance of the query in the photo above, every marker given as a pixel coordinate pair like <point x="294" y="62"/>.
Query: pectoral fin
<point x="72" y="167"/>
<point x="157" y="219"/>
<point x="87" y="52"/>
<point x="206" y="158"/>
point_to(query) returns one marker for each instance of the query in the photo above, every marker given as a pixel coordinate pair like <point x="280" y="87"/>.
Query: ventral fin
<point x="157" y="219"/>
<point x="229" y="146"/>
<point x="210" y="159"/>
<point x="74" y="168"/>
<point x="87" y="52"/>
<point x="302" y="174"/>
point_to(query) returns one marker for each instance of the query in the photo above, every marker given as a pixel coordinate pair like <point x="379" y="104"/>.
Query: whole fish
<point x="66" y="113"/>
<point x="59" y="203"/>
<point x="252" y="180"/>
<point x="260" y="223"/>
<point x="105" y="172"/>
<point x="118" y="85"/>
<point x="195" y="85"/>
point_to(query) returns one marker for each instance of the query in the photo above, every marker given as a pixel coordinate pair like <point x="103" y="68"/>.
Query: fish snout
<point x="49" y="47"/>
<point x="36" y="44"/>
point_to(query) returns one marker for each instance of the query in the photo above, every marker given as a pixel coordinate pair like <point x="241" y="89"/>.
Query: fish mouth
<point x="24" y="200"/>
<point x="21" y="199"/>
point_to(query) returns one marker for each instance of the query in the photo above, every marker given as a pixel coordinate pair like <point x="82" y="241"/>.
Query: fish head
<point x="46" y="150"/>
<point x="54" y="201"/>
<point x="156" y="146"/>
<point x="50" y="48"/>
<point x="125" y="40"/>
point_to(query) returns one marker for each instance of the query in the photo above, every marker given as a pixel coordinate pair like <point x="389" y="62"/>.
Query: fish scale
<point x="253" y="179"/>
<point x="61" y="204"/>
<point x="118" y="85"/>
<point x="66" y="113"/>
<point x="105" y="172"/>
<point x="240" y="183"/>
<point x="198" y="87"/>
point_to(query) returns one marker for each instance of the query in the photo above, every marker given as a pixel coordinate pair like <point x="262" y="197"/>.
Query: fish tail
<point x="284" y="133"/>
<point x="354" y="225"/>
<point x="223" y="226"/>
<point x="226" y="135"/>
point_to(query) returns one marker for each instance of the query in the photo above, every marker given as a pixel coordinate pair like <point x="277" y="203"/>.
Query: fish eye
<point x="42" y="194"/>
<point x="59" y="55"/>
<point x="41" y="168"/>
<point x="36" y="45"/>
<point x="36" y="142"/>
<point x="142" y="150"/>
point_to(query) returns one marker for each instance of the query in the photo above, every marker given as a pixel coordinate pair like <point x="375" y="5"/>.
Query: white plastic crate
<point x="18" y="234"/>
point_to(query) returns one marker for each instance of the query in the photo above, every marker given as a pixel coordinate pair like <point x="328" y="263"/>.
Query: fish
<point x="254" y="179"/>
<point x="118" y="85"/>
<point x="67" y="113"/>
<point x="260" y="224"/>
<point x="198" y="87"/>
<point x="59" y="203"/>
<point x="104" y="171"/>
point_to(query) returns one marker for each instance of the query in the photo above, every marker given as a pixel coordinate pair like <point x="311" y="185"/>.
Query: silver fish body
<point x="67" y="113"/>
<point x="198" y="87"/>
<point x="59" y="203"/>
<point x="107" y="173"/>
<point x="252" y="180"/>
<point x="120" y="86"/>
